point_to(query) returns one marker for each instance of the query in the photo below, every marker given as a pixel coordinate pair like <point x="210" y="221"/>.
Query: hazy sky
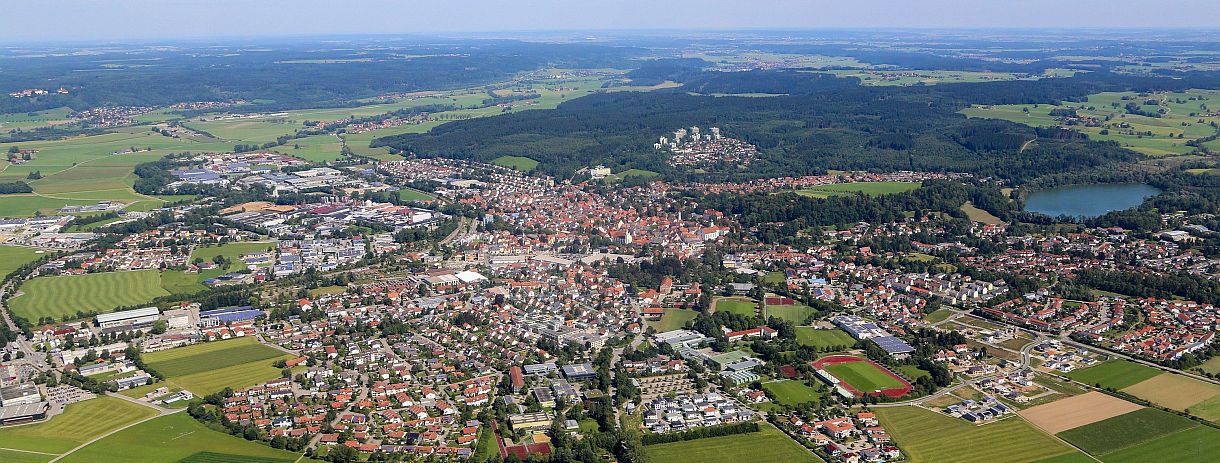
<point x="57" y="20"/>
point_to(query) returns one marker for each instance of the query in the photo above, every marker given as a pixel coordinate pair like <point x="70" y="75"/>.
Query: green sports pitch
<point x="863" y="376"/>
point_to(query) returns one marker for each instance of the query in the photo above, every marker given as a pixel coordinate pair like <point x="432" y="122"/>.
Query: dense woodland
<point x="821" y="123"/>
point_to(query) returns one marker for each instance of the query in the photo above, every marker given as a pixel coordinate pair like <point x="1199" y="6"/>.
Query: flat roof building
<point x="136" y="317"/>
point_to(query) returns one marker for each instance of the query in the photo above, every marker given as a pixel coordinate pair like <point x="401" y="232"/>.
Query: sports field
<point x="769" y="444"/>
<point x="673" y="319"/>
<point x="868" y="188"/>
<point x="794" y="313"/>
<point x="863" y="376"/>
<point x="927" y="436"/>
<point x="520" y="163"/>
<point x="78" y="423"/>
<point x="1076" y="411"/>
<point x="1125" y="430"/>
<point x="12" y="257"/>
<point x="737" y="305"/>
<point x="407" y="194"/>
<point x="1115" y="374"/>
<point x="810" y="336"/>
<point x="790" y="392"/>
<point x="95" y="292"/>
<point x="171" y="438"/>
<point x="208" y="356"/>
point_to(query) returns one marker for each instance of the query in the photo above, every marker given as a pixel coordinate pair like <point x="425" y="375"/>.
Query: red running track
<point x="891" y="392"/>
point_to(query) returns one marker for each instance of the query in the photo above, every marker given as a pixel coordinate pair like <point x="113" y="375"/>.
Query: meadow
<point x="1125" y="430"/>
<point x="868" y="188"/>
<point x="769" y="444"/>
<point x="61" y="296"/>
<point x="172" y="438"/>
<point x="316" y="148"/>
<point x="520" y="163"/>
<point x="208" y="356"/>
<point x="408" y="194"/>
<point x="1199" y="444"/>
<point x="673" y="319"/>
<point x="79" y="423"/>
<point x="12" y="257"/>
<point x="230" y="251"/>
<point x="863" y="376"/>
<point x="1115" y="374"/>
<point x="927" y="436"/>
<point x="790" y="392"/>
<point x="822" y="339"/>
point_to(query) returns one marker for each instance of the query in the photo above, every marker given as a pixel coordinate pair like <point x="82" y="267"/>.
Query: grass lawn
<point x="208" y="356"/>
<point x="78" y="423"/>
<point x="171" y="438"/>
<point x="775" y="278"/>
<point x="769" y="444"/>
<point x="868" y="188"/>
<point x="1195" y="445"/>
<point x="979" y="215"/>
<point x="1125" y="430"/>
<point x="927" y="436"/>
<point x="408" y="194"/>
<point x="938" y="316"/>
<point x="177" y="282"/>
<point x="520" y="163"/>
<point x="794" y="313"/>
<point x="1117" y="374"/>
<point x="673" y="319"/>
<point x="912" y="372"/>
<point x="12" y="257"/>
<point x="811" y="336"/>
<point x="863" y="376"/>
<point x="790" y="392"/>
<point x="98" y="292"/>
<point x="14" y="456"/>
<point x="1212" y="365"/>
<point x="231" y="251"/>
<point x="737" y="305"/>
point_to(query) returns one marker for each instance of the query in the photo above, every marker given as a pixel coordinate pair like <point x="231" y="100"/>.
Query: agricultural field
<point x="208" y="356"/>
<point x="316" y="148"/>
<point x="79" y="423"/>
<point x="173" y="438"/>
<point x="1175" y="391"/>
<point x="794" y="313"/>
<point x="791" y="392"/>
<point x="520" y="163"/>
<point x="62" y="296"/>
<point x="1126" y="430"/>
<point x="822" y="339"/>
<point x="863" y="376"/>
<point x="979" y="215"/>
<point x="769" y="444"/>
<point x="868" y="188"/>
<point x="1073" y="412"/>
<point x="1115" y="374"/>
<point x="922" y="77"/>
<point x="928" y="436"/>
<point x="737" y="305"/>
<point x="26" y="121"/>
<point x="673" y="319"/>
<point x="1199" y="444"/>
<point x="12" y="257"/>
<point x="1180" y="118"/>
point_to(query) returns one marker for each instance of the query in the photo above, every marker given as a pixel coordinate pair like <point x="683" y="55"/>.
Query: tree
<point x="158" y="327"/>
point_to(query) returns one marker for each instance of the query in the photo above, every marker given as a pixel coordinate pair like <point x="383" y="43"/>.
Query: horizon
<point x="149" y="20"/>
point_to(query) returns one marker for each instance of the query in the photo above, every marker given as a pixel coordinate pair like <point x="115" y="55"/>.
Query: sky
<point x="119" y="20"/>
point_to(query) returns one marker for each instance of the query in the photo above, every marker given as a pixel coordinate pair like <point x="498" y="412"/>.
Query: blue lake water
<point x="1088" y="200"/>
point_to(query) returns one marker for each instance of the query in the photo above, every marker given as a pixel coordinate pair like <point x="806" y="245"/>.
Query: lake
<point x="1088" y="201"/>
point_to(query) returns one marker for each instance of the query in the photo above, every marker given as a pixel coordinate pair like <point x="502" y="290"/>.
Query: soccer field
<point x="790" y="392"/>
<point x="94" y="292"/>
<point x="810" y="336"/>
<point x="863" y="376"/>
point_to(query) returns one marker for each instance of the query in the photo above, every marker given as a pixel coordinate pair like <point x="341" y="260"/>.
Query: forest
<point x="820" y="123"/>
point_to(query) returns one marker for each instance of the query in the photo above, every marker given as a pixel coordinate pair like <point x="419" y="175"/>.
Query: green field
<point x="79" y="423"/>
<point x="213" y="457"/>
<point x="408" y="194"/>
<point x="938" y="316"/>
<point x="790" y="392"/>
<point x="673" y="319"/>
<point x="12" y="257"/>
<point x="769" y="444"/>
<point x="1125" y="430"/>
<point x="315" y="148"/>
<point x="171" y="438"/>
<point x="794" y="313"/>
<point x="97" y="292"/>
<point x="1199" y="444"/>
<point x="927" y="436"/>
<point x="208" y="356"/>
<point x="520" y="163"/>
<point x="868" y="188"/>
<point x="810" y="336"/>
<point x="232" y="252"/>
<point x="863" y="376"/>
<point x="737" y="305"/>
<point x="1115" y="374"/>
